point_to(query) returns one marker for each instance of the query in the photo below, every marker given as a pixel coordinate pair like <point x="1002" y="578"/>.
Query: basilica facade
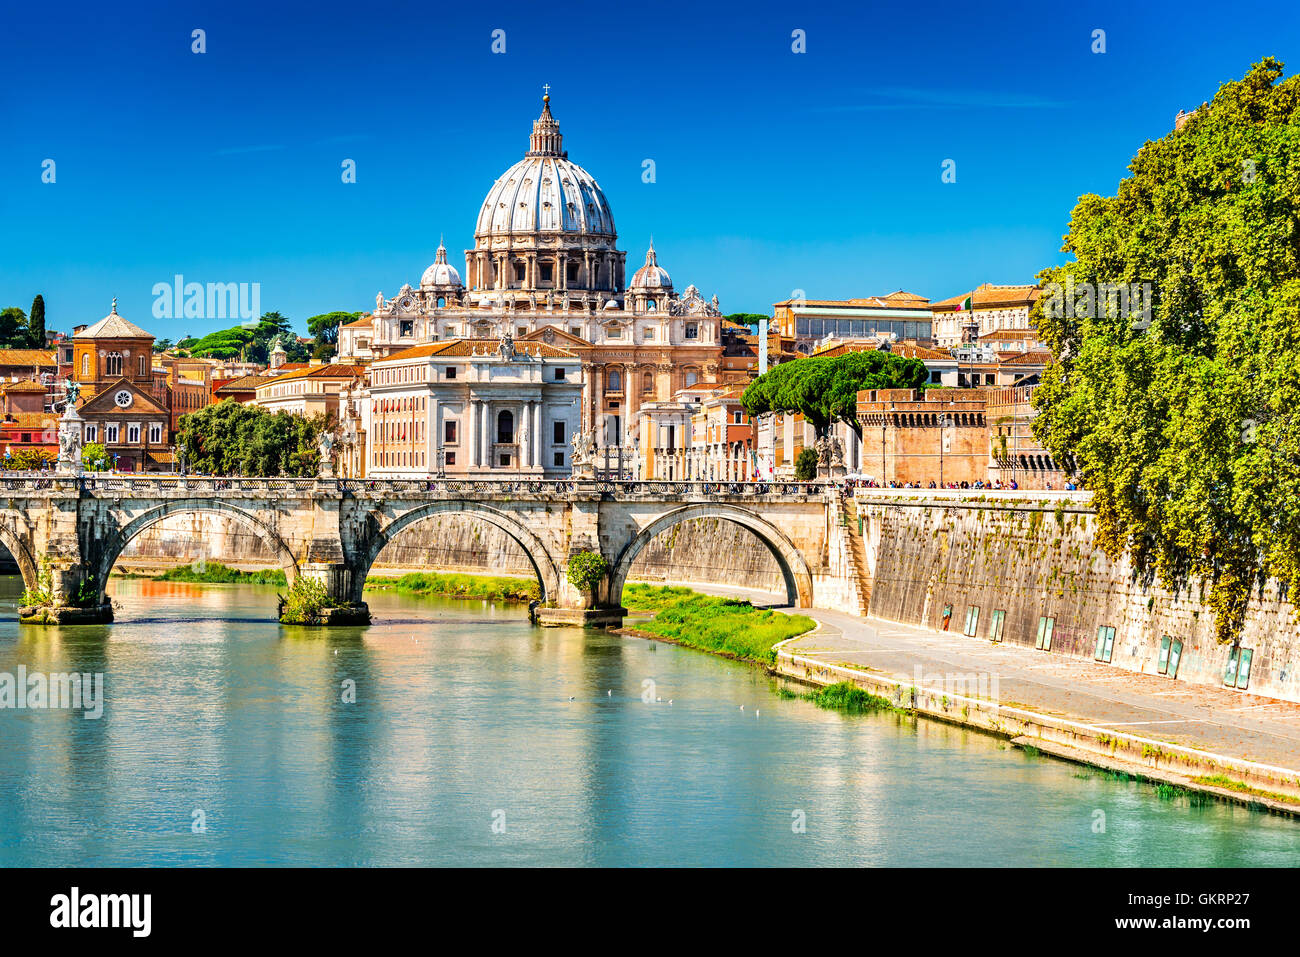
<point x="545" y="268"/>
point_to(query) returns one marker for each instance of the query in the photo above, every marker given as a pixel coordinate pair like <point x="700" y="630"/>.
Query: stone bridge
<point x="66" y="532"/>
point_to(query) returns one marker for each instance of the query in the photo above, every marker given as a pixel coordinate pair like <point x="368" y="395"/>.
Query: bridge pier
<point x="337" y="580"/>
<point x="68" y="595"/>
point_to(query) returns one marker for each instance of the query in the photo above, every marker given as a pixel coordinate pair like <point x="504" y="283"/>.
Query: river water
<point x="227" y="739"/>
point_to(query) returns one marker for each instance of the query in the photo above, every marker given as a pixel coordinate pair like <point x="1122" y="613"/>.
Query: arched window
<point x="85" y="365"/>
<point x="615" y="382"/>
<point x="442" y="301"/>
<point x="650" y="305"/>
<point x="692" y="376"/>
<point x="113" y="364"/>
<point x="505" y="426"/>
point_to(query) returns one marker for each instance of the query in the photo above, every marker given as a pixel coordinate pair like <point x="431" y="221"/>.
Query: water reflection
<point x="462" y="719"/>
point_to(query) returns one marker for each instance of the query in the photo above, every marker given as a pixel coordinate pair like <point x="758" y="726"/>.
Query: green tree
<point x="325" y="327"/>
<point x="234" y="439"/>
<point x="805" y="464"/>
<point x="13" y="328"/>
<point x="1184" y="425"/>
<point x="93" y="457"/>
<point x="36" y="323"/>
<point x="825" y="390"/>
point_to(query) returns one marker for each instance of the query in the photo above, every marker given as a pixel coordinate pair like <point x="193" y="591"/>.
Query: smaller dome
<point x="441" y="274"/>
<point x="651" y="275"/>
<point x="612" y="304"/>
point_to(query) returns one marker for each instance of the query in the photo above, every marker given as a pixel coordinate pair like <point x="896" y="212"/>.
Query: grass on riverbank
<point x="490" y="588"/>
<point x="215" y="573"/>
<point x="725" y="626"/>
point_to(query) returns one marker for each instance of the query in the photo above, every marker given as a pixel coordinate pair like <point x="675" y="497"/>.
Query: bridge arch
<point x="794" y="569"/>
<point x="17" y="545"/>
<point x="114" y="546"/>
<point x="538" y="555"/>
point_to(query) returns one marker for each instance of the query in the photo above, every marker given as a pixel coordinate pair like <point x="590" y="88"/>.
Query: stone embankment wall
<point x="1032" y="559"/>
<point x="697" y="550"/>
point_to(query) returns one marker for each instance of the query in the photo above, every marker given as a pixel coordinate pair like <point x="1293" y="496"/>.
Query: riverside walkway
<point x="1138" y="720"/>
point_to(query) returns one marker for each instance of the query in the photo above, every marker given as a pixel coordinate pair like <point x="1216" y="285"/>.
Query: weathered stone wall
<point x="698" y="550"/>
<point x="1035" y="559"/>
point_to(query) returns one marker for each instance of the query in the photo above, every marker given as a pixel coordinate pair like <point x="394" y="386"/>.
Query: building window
<point x="557" y="433"/>
<point x="559" y="460"/>
<point x="575" y="331"/>
<point x="133" y="434"/>
<point x="972" y="620"/>
<point x="85" y="365"/>
<point x="144" y="368"/>
<point x="406" y="328"/>
<point x="519" y="272"/>
<point x="1105" y="643"/>
<point x="560" y="373"/>
<point x="546" y="272"/>
<point x="614" y="332"/>
<point x="505" y="429"/>
<point x="614" y="383"/>
<point x="572" y="272"/>
<point x="451" y="458"/>
<point x="449" y="431"/>
<point x="503" y="460"/>
<point x="91" y="433"/>
<point x="67" y="356"/>
<point x="110" y="434"/>
<point x="113" y="364"/>
<point x="650" y="333"/>
<point x="155" y="433"/>
<point x="692" y="330"/>
<point x="1045" y="628"/>
<point x="442" y="301"/>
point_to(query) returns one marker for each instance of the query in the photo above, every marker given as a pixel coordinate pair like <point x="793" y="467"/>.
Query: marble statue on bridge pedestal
<point x="70" y="432"/>
<point x="325" y="446"/>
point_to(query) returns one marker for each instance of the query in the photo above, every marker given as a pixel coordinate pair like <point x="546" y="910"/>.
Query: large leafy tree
<point x="234" y="439"/>
<point x="1184" y="424"/>
<point x="825" y="390"/>
<point x="13" y="328"/>
<point x="251" y="341"/>
<point x="325" y="327"/>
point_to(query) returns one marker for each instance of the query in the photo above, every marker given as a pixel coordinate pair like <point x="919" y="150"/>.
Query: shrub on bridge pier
<point x="587" y="570"/>
<point x="306" y="602"/>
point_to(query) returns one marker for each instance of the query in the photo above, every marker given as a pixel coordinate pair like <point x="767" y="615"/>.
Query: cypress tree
<point x="36" y="322"/>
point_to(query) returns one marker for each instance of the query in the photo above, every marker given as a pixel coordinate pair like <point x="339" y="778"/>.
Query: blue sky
<point x="775" y="171"/>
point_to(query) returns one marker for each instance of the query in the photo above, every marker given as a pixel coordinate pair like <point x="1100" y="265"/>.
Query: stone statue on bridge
<point x="325" y="446"/>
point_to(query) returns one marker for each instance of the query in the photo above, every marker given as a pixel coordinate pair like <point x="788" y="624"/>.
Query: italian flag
<point x="964" y="305"/>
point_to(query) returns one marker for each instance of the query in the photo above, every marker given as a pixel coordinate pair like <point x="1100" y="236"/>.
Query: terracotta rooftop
<point x="27" y="357"/>
<point x="362" y="323"/>
<point x="989" y="296"/>
<point x="331" y="371"/>
<point x="1028" y="359"/>
<point x="27" y="385"/>
<point x="895" y="300"/>
<point x="244" y="383"/>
